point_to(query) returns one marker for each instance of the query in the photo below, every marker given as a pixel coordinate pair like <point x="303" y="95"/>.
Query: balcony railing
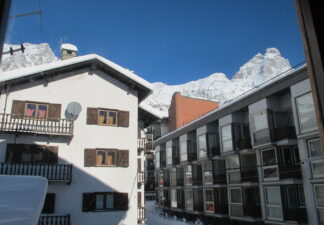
<point x="53" y="172"/>
<point x="140" y="178"/>
<point x="141" y="215"/>
<point x="11" y="123"/>
<point x="54" y="220"/>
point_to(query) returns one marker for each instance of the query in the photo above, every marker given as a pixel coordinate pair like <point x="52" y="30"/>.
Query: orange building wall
<point x="186" y="109"/>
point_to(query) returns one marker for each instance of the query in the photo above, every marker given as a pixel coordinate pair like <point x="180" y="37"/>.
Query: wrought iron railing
<point x="53" y="172"/>
<point x="55" y="126"/>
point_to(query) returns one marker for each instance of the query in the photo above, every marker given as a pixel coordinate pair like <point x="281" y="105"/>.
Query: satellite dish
<point x="73" y="110"/>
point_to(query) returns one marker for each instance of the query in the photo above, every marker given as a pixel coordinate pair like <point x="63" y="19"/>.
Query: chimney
<point x="68" y="51"/>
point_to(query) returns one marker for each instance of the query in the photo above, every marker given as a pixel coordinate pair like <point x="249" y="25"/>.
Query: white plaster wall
<point x="91" y="90"/>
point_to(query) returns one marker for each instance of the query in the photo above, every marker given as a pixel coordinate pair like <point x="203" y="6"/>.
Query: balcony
<point x="53" y="172"/>
<point x="141" y="215"/>
<point x="140" y="178"/>
<point x="54" y="220"/>
<point x="13" y="124"/>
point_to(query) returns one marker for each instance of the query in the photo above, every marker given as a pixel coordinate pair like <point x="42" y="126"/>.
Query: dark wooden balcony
<point x="295" y="214"/>
<point x="54" y="220"/>
<point x="141" y="215"/>
<point x="140" y="178"/>
<point x="53" y="172"/>
<point x="10" y="123"/>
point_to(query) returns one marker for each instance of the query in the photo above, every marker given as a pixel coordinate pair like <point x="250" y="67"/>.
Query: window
<point x="227" y="139"/>
<point x="36" y="110"/>
<point x="273" y="203"/>
<point x="189" y="199"/>
<point x="161" y="178"/>
<point x="49" y="204"/>
<point x="219" y="171"/>
<point x="169" y="155"/>
<point x="236" y="206"/>
<point x="319" y="191"/>
<point x="209" y="201"/>
<point x="183" y="151"/>
<point x="317" y="162"/>
<point x="269" y="164"/>
<point x="213" y="144"/>
<point x="106" y="157"/>
<point x="104" y="201"/>
<point x="202" y="146"/>
<point x="208" y="172"/>
<point x="157" y="160"/>
<point x="188" y="174"/>
<point x="173" y="177"/>
<point x="107" y="117"/>
<point x="248" y="167"/>
<point x="220" y="195"/>
<point x="306" y="113"/>
<point x="260" y="121"/>
<point x="174" y="198"/>
<point x="233" y="168"/>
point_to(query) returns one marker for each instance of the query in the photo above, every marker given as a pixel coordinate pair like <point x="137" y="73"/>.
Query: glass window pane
<point x="226" y="135"/>
<point x="183" y="151"/>
<point x="109" y="201"/>
<point x="26" y="157"/>
<point x="273" y="196"/>
<point x="101" y="158"/>
<point x="291" y="197"/>
<point x="235" y="195"/>
<point x="174" y="198"/>
<point x="30" y="110"/>
<point x="102" y="117"/>
<point x="112" y="118"/>
<point x="232" y="162"/>
<point x="236" y="210"/>
<point x="188" y="175"/>
<point x="234" y="176"/>
<point x="209" y="196"/>
<point x="260" y="121"/>
<point x="189" y="200"/>
<point x="202" y="146"/>
<point x="321" y="216"/>
<point x="274" y="212"/>
<point x="212" y="143"/>
<point x="306" y="112"/>
<point x="319" y="189"/>
<point x="42" y="111"/>
<point x="318" y="168"/>
<point x="111" y="158"/>
<point x="314" y="148"/>
<point x="169" y="155"/>
<point x="99" y="201"/>
<point x="269" y="157"/>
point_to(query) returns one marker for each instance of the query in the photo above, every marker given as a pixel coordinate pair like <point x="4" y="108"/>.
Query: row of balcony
<point x="10" y="123"/>
<point x="53" y="172"/>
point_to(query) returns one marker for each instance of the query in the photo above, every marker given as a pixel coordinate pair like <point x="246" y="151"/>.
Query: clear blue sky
<point x="172" y="41"/>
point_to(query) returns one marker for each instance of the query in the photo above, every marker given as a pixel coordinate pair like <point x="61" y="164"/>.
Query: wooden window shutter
<point x="18" y="108"/>
<point x="123" y="158"/>
<point x="54" y="111"/>
<point x="120" y="201"/>
<point x="51" y="154"/>
<point x="92" y="116"/>
<point x="139" y="165"/>
<point x="88" y="202"/>
<point x="13" y="153"/>
<point x="89" y="157"/>
<point x="49" y="204"/>
<point x="123" y="118"/>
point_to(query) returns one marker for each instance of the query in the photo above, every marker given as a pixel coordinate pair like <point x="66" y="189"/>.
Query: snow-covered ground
<point x="155" y="217"/>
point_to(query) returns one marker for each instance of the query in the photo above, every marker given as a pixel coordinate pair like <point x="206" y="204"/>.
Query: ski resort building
<point x="78" y="123"/>
<point x="253" y="160"/>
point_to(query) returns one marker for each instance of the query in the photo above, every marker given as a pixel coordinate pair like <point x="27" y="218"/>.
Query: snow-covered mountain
<point x="35" y="54"/>
<point x="217" y="87"/>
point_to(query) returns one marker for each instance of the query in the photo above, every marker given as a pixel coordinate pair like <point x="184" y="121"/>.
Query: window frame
<point x="107" y="117"/>
<point x="280" y="205"/>
<point x="209" y="202"/>
<point x="186" y="171"/>
<point x="37" y="104"/>
<point x="233" y="170"/>
<point x="314" y="159"/>
<point x="319" y="208"/>
<point x="270" y="166"/>
<point x="204" y="170"/>
<point x="183" y="151"/>
<point x="230" y="203"/>
<point x="173" y="177"/>
<point x="174" y="202"/>
<point x="104" y="201"/>
<point x="106" y="151"/>
<point x="201" y="149"/>
<point x="168" y="153"/>
<point x="192" y="199"/>
<point x="253" y="122"/>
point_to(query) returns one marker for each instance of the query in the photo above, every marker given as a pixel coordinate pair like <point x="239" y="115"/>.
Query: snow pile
<point x="217" y="87"/>
<point x="35" y="54"/>
<point x="155" y="216"/>
<point x="21" y="199"/>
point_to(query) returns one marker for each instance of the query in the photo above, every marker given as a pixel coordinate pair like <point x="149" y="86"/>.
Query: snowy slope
<point x="217" y="87"/>
<point x="35" y="54"/>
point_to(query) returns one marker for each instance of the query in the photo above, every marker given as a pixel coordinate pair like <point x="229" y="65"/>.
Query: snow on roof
<point x="240" y="97"/>
<point x="69" y="47"/>
<point x="153" y="111"/>
<point x="27" y="71"/>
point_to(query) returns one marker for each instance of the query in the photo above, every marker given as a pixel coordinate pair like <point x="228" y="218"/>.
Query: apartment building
<point x="254" y="160"/>
<point x="76" y="122"/>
